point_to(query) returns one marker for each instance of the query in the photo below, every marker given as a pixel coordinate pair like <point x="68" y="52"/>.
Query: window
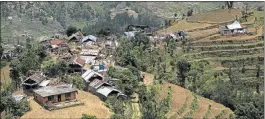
<point x="67" y="96"/>
<point x="50" y="98"/>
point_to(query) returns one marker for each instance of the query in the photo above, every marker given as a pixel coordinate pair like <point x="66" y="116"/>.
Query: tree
<point x="71" y="30"/>
<point x="56" y="69"/>
<point x="74" y="79"/>
<point x="247" y="111"/>
<point x="230" y="4"/>
<point x="183" y="68"/>
<point x="1" y="50"/>
<point x="86" y="116"/>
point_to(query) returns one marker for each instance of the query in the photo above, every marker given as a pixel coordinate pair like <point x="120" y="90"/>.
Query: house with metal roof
<point x="232" y="29"/>
<point x="50" y="95"/>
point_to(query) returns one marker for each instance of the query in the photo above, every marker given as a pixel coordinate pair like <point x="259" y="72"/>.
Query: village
<point x="92" y="57"/>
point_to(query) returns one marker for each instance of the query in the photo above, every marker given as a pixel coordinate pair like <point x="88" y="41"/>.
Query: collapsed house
<point x="89" y="41"/>
<point x="50" y="95"/>
<point x="233" y="29"/>
<point x="178" y="36"/>
<point x="59" y="46"/>
<point x="76" y="37"/>
<point x="89" y="55"/>
<point x="34" y="81"/>
<point x="76" y="65"/>
<point x="98" y="85"/>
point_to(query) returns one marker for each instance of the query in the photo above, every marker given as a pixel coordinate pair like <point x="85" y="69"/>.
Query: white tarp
<point x="44" y="83"/>
<point x="129" y="34"/>
<point x="89" y="37"/>
<point x="235" y="25"/>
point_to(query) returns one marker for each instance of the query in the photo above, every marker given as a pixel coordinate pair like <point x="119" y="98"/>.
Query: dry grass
<point x="203" y="33"/>
<point x="179" y="95"/>
<point x="182" y="25"/>
<point x="93" y="106"/>
<point x="148" y="78"/>
<point x="216" y="16"/>
<point x="5" y="78"/>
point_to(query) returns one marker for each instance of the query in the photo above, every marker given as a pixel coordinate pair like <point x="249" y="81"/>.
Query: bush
<point x="86" y="116"/>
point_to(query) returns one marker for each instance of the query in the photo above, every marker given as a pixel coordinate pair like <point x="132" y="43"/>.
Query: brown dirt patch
<point x="93" y="106"/>
<point x="203" y="33"/>
<point x="148" y="78"/>
<point x="216" y="16"/>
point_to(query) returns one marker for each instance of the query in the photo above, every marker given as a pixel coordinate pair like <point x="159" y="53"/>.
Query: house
<point x="98" y="85"/>
<point x="50" y="95"/>
<point x="90" y="75"/>
<point x="59" y="46"/>
<point x="233" y="29"/>
<point x="77" y="65"/>
<point x="33" y="81"/>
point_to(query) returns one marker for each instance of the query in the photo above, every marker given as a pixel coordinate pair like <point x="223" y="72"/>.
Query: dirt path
<point x="93" y="106"/>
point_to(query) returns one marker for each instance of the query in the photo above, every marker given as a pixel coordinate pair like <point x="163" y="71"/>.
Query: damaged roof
<point x="57" y="42"/>
<point x="80" y="61"/>
<point x="89" y="37"/>
<point x="37" y="77"/>
<point x="54" y="90"/>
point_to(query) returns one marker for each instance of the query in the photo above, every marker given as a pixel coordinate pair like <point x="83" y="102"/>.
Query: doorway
<point x="59" y="98"/>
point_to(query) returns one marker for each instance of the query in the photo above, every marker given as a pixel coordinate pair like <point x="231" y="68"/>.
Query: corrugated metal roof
<point x="235" y="25"/>
<point x="89" y="74"/>
<point x="106" y="90"/>
<point x="54" y="90"/>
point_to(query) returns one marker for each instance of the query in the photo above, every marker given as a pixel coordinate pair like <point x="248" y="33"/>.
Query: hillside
<point x="183" y="100"/>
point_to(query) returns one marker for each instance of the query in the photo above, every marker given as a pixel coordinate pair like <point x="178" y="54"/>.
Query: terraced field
<point x="185" y="104"/>
<point x="223" y="52"/>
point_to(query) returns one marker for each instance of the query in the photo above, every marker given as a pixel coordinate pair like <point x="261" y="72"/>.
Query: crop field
<point x="182" y="100"/>
<point x="182" y="25"/>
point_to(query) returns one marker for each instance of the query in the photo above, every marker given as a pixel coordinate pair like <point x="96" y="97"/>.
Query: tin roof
<point x="54" y="90"/>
